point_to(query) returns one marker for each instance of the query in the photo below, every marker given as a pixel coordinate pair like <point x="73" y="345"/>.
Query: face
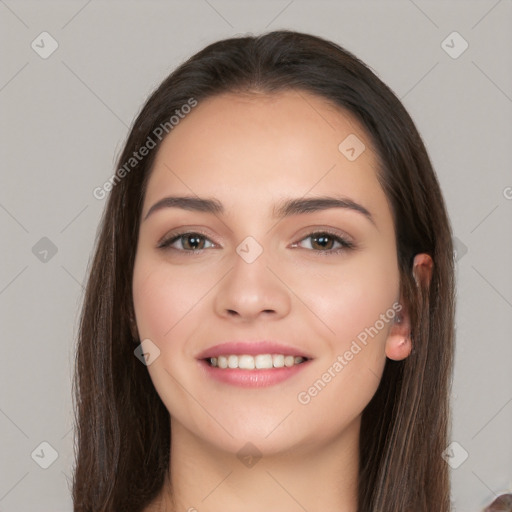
<point x="263" y="235"/>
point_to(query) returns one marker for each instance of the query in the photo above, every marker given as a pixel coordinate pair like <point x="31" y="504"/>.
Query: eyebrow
<point x="286" y="208"/>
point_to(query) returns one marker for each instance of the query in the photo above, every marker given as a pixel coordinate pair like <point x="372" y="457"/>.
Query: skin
<point x="250" y="152"/>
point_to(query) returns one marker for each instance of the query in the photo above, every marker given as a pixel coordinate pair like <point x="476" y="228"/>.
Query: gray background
<point x="64" y="120"/>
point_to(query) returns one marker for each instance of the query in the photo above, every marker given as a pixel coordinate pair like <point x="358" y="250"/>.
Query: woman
<point x="276" y="253"/>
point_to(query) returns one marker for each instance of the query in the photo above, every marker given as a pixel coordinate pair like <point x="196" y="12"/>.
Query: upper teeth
<point x="261" y="361"/>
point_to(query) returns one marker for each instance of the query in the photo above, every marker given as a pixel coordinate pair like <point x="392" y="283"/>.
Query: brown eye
<point x="322" y="241"/>
<point x="190" y="242"/>
<point x="325" y="242"/>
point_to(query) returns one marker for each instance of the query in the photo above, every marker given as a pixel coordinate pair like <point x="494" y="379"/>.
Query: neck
<point x="312" y="478"/>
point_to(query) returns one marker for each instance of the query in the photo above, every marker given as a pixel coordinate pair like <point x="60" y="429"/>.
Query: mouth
<point x="252" y="364"/>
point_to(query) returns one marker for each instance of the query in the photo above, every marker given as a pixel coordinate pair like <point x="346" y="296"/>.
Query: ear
<point x="398" y="342"/>
<point x="422" y="269"/>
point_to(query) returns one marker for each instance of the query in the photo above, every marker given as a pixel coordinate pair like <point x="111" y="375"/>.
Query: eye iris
<point x="193" y="241"/>
<point x="324" y="241"/>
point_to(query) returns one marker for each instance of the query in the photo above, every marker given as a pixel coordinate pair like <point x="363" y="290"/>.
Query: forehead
<point x="279" y="119"/>
<point x="290" y="143"/>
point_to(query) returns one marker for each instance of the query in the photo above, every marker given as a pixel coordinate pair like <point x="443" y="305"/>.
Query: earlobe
<point x="398" y="342"/>
<point x="399" y="349"/>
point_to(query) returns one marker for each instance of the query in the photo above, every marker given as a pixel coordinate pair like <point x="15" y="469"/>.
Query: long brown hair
<point x="122" y="427"/>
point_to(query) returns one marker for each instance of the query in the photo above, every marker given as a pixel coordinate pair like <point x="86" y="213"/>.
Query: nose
<point x="251" y="291"/>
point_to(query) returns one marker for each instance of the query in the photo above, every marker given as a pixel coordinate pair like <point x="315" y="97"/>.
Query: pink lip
<point x="251" y="349"/>
<point x="251" y="378"/>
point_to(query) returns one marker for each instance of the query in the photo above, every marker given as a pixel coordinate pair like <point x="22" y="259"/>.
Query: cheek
<point x="163" y="296"/>
<point x="358" y="307"/>
<point x="355" y="301"/>
<point x="351" y="297"/>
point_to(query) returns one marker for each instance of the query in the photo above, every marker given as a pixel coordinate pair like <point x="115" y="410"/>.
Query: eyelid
<point x="166" y="241"/>
<point x="336" y="233"/>
<point x="342" y="238"/>
<point x="345" y="242"/>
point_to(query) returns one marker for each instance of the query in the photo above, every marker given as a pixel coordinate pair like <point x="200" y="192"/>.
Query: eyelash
<point x="345" y="244"/>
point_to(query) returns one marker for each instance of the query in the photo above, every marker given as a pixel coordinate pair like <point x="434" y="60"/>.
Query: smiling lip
<point x="251" y="378"/>
<point x="239" y="348"/>
<point x="256" y="378"/>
